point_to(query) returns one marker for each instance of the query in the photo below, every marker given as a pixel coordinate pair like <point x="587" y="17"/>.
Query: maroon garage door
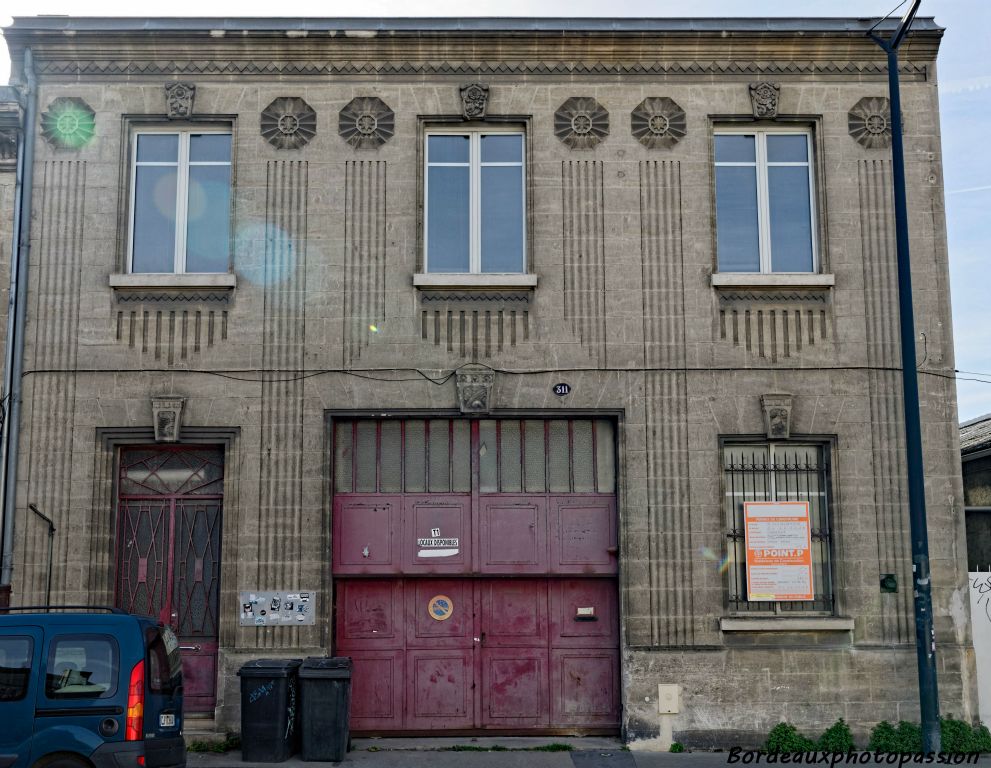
<point x="476" y="574"/>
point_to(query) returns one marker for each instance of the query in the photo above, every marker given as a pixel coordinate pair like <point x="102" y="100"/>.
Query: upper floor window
<point x="474" y="201"/>
<point x="765" y="203"/>
<point x="180" y="201"/>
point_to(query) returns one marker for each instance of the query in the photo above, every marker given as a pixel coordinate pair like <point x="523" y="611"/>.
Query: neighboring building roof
<point x="975" y="435"/>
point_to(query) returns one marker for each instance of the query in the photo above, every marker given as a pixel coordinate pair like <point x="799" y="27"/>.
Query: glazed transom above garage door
<point x="475" y="567"/>
<point x="501" y="497"/>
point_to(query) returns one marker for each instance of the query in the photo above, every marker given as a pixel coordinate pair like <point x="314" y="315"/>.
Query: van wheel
<point x="62" y="761"/>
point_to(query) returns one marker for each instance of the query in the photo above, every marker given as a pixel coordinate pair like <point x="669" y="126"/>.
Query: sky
<point x="964" y="71"/>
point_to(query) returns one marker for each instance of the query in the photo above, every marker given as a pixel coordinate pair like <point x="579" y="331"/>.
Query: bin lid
<point x="269" y="668"/>
<point x="336" y="667"/>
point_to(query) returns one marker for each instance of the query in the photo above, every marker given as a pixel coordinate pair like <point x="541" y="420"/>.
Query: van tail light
<point x="135" y="703"/>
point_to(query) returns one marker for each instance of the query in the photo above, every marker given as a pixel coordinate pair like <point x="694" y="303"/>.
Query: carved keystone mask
<point x="179" y="100"/>
<point x="474" y="100"/>
<point x="167" y="415"/>
<point x="475" y="383"/>
<point x="764" y="100"/>
<point x="777" y="415"/>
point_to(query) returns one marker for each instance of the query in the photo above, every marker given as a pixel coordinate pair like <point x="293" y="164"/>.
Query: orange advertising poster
<point x="779" y="550"/>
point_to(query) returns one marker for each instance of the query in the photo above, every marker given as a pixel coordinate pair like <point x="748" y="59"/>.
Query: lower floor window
<point x="777" y="472"/>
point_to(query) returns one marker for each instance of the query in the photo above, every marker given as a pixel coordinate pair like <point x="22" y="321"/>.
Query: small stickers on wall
<point x="269" y="609"/>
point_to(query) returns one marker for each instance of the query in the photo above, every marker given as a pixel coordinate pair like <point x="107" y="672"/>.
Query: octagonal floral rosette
<point x="68" y="123"/>
<point x="288" y="123"/>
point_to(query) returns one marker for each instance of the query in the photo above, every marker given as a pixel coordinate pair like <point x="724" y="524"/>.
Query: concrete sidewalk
<point x="513" y="752"/>
<point x="469" y="752"/>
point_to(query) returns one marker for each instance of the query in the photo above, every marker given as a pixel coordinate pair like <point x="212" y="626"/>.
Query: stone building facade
<point x="474" y="339"/>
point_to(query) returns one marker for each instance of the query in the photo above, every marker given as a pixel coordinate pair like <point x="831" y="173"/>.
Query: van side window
<point x="82" y="667"/>
<point x="15" y="666"/>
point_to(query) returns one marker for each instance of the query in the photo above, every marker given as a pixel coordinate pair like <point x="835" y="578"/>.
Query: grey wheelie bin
<point x="269" y="710"/>
<point x="325" y="693"/>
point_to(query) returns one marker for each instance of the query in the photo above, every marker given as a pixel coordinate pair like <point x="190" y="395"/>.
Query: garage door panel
<point x="513" y="535"/>
<point x="366" y="534"/>
<point x="583" y="535"/>
<point x="514" y="612"/>
<point x="515" y="688"/>
<point x="583" y="613"/>
<point x="440" y="613"/>
<point x="585" y="688"/>
<point x="437" y="534"/>
<point x="370" y="614"/>
<point x="439" y="689"/>
<point x="378" y="683"/>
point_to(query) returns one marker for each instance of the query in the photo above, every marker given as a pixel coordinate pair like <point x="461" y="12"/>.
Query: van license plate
<point x="166" y="721"/>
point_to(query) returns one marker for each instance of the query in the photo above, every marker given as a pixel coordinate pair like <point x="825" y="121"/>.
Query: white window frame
<point x="475" y="166"/>
<point x="763" y="194"/>
<point x="182" y="189"/>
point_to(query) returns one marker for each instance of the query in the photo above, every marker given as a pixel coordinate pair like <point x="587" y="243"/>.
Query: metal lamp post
<point x="925" y="637"/>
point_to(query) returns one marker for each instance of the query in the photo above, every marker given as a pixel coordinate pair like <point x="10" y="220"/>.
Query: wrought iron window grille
<point x="778" y="472"/>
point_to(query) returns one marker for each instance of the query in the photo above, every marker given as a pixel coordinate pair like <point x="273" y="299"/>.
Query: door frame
<point x="173" y="507"/>
<point x="618" y="417"/>
<point x="104" y="530"/>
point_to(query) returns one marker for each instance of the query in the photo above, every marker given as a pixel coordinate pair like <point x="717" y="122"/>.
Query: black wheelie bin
<point x="325" y="692"/>
<point x="269" y="710"/>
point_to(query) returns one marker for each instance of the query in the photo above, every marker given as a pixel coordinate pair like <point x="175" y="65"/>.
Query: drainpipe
<point x="14" y="362"/>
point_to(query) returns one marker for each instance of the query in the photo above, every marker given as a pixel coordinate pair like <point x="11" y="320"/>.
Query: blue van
<point x="84" y="687"/>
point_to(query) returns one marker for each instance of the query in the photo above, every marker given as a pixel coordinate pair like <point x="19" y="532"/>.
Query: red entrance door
<point x="168" y="562"/>
<point x="476" y="568"/>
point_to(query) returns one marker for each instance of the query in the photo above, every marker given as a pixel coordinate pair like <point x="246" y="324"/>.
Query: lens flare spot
<point x="264" y="255"/>
<point x="373" y="328"/>
<point x="723" y="563"/>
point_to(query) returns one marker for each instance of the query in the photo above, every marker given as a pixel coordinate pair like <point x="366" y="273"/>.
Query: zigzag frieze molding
<point x="118" y="67"/>
<point x="481" y="298"/>
<point x="764" y="298"/>
<point x="173" y="298"/>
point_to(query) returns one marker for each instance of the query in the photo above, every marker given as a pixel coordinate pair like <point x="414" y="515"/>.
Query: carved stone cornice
<point x="95" y="68"/>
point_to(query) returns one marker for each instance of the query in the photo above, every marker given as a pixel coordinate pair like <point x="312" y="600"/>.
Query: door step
<point x="201" y="728"/>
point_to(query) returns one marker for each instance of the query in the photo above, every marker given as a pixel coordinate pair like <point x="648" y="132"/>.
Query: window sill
<point x="166" y="289"/>
<point x="168" y="280"/>
<point x="773" y="280"/>
<point x="787" y="624"/>
<point x="462" y="280"/>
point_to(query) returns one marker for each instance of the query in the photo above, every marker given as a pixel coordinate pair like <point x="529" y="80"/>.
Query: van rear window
<point x="164" y="662"/>
<point x="15" y="666"/>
